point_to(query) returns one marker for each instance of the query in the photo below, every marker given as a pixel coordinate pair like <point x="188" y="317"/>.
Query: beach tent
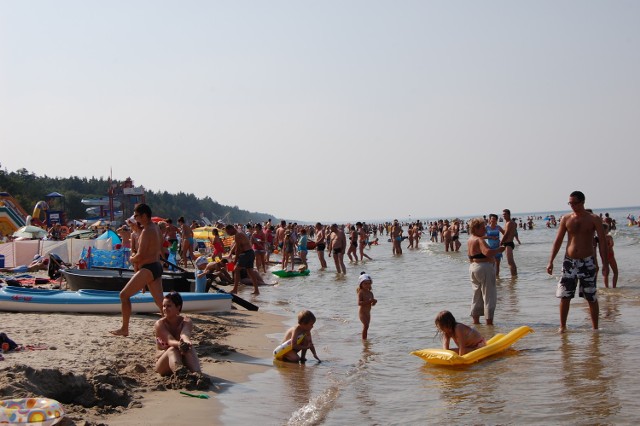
<point x="115" y="239"/>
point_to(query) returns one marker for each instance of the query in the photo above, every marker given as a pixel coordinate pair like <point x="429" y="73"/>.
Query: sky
<point x="331" y="110"/>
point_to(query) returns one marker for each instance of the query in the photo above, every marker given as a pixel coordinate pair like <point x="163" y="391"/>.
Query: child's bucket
<point x="231" y="266"/>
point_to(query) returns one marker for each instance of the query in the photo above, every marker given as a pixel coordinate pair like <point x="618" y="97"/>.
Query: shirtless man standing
<point x="510" y="229"/>
<point x="171" y="232"/>
<point x="280" y="234"/>
<point x="337" y="247"/>
<point x="321" y="244"/>
<point x="396" y="237"/>
<point x="244" y="258"/>
<point x="146" y="264"/>
<point x="579" y="260"/>
<point x="446" y="235"/>
<point x="455" y="236"/>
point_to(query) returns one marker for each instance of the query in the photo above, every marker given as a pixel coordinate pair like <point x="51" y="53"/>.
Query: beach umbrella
<point x="31" y="232"/>
<point x="82" y="233"/>
<point x="99" y="224"/>
<point x="157" y="219"/>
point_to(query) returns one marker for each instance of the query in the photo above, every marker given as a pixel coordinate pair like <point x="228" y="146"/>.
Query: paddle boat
<point x="114" y="279"/>
<point x="19" y="299"/>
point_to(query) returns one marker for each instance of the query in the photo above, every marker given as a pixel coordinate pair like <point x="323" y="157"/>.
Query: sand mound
<point x="94" y="374"/>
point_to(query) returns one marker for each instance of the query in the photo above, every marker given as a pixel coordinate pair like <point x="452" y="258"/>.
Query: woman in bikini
<point x="173" y="338"/>
<point x="186" y="242"/>
<point x="482" y="271"/>
<point x="353" y="244"/>
<point x="259" y="245"/>
<point x="613" y="265"/>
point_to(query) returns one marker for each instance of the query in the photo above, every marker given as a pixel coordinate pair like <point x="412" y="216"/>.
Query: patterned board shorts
<point x="574" y="270"/>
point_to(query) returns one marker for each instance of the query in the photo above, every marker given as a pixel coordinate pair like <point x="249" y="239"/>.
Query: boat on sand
<point x="19" y="299"/>
<point x="114" y="279"/>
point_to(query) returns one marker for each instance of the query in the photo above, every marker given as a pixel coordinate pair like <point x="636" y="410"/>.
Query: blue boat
<point x="19" y="299"/>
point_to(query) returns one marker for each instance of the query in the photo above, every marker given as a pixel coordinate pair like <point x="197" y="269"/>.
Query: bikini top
<point x="477" y="256"/>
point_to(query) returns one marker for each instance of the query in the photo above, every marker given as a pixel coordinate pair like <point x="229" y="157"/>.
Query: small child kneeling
<point x="306" y="320"/>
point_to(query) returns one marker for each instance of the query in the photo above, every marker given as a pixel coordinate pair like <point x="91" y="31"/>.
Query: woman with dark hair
<point x="173" y="337"/>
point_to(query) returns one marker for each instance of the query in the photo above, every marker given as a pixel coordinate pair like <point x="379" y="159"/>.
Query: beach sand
<point x="103" y="379"/>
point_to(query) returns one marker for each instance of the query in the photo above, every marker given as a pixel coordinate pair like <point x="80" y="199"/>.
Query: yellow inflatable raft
<point x="496" y="344"/>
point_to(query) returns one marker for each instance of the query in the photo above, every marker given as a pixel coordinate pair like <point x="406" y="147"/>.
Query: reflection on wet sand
<point x="587" y="387"/>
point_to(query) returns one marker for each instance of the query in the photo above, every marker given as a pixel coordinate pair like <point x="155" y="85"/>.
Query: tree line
<point x="28" y="189"/>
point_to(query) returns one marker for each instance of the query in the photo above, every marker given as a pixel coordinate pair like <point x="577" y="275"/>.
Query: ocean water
<point x="581" y="377"/>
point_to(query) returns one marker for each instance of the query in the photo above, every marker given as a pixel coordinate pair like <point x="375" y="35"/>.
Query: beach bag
<point x="7" y="343"/>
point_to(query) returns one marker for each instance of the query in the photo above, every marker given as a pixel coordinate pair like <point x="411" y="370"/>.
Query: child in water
<point x="467" y="338"/>
<point x="365" y="302"/>
<point x="306" y="320"/>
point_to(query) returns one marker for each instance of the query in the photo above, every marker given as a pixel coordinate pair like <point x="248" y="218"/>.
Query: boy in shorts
<point x="306" y="320"/>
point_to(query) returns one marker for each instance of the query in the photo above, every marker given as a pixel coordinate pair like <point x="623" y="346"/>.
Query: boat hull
<point x="18" y="299"/>
<point x="111" y="280"/>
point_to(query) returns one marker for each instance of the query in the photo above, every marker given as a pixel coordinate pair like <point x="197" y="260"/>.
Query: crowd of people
<point x="489" y="239"/>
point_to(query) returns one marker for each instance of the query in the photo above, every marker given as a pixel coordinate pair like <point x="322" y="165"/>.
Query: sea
<point x="580" y="377"/>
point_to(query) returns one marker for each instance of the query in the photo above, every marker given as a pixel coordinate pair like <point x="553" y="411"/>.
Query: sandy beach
<point x="103" y="379"/>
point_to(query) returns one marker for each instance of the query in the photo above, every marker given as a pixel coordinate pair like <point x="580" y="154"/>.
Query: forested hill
<point x="28" y="189"/>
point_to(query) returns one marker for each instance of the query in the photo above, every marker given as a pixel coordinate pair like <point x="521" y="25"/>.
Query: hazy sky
<point x="330" y="110"/>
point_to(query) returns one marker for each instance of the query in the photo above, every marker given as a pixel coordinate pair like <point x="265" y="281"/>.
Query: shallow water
<point x="580" y="377"/>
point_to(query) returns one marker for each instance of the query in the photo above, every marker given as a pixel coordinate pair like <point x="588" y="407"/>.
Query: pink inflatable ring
<point x="31" y="411"/>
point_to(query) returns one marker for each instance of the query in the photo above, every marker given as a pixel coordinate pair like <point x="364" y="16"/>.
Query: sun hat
<point x="364" y="277"/>
<point x="202" y="260"/>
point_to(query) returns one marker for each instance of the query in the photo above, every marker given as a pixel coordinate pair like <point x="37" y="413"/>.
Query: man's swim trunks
<point x="155" y="268"/>
<point x="246" y="259"/>
<point x="509" y="244"/>
<point x="574" y="270"/>
<point x="320" y="246"/>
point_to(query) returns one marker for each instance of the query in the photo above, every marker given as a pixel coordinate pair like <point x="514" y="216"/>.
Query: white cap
<point x="364" y="277"/>
<point x="202" y="260"/>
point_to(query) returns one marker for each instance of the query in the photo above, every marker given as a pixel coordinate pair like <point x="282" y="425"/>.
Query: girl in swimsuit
<point x="467" y="338"/>
<point x="216" y="243"/>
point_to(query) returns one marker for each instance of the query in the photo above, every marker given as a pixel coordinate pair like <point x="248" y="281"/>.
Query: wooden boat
<point x="114" y="279"/>
<point x="19" y="299"/>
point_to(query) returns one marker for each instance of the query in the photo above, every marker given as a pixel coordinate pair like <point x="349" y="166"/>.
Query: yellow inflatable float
<point x="496" y="344"/>
<point x="284" y="348"/>
<point x="31" y="411"/>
